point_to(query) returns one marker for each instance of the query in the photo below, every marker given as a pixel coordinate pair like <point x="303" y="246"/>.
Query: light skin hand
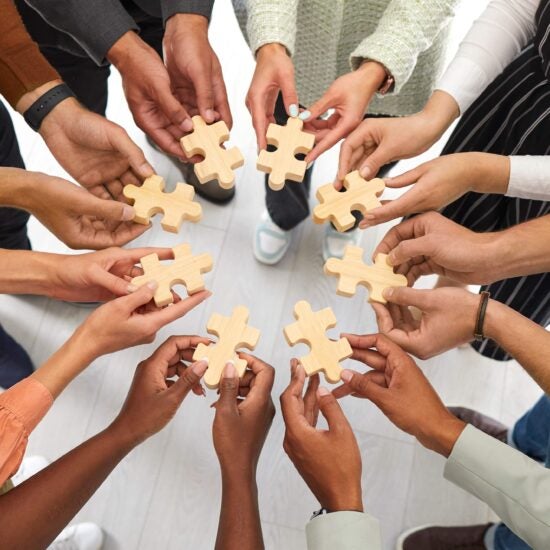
<point x="379" y="141"/>
<point x="147" y="87"/>
<point x="194" y="69"/>
<point x="328" y="460"/>
<point x="397" y="386"/>
<point x="349" y="96"/>
<point x="439" y="182"/>
<point x="430" y="243"/>
<point x="448" y="319"/>
<point x="274" y="74"/>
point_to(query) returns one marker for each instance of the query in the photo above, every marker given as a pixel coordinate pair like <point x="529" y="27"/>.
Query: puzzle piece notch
<point x="310" y="328"/>
<point x="206" y="141"/>
<point x="352" y="271"/>
<point x="150" y="199"/>
<point x="282" y="164"/>
<point x="360" y="194"/>
<point x="185" y="269"/>
<point x="233" y="333"/>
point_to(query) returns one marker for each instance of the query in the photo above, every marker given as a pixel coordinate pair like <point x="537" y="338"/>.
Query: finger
<point x="311" y="405"/>
<point x="116" y="285"/>
<point x="123" y="144"/>
<point x="383" y="318"/>
<point x="143" y="295"/>
<point x="202" y="82"/>
<point x="321" y="106"/>
<point x="189" y="380"/>
<point x="412" y="248"/>
<point x="383" y="345"/>
<point x="363" y="386"/>
<point x="408" y="178"/>
<point x="291" y="399"/>
<point x="344" y="127"/>
<point x="288" y="91"/>
<point x="371" y="166"/>
<point x="175" y="311"/>
<point x="229" y="390"/>
<point x="173" y="110"/>
<point x="331" y="410"/>
<point x="403" y="231"/>
<point x="259" y="122"/>
<point x="221" y="102"/>
<point x="264" y="376"/>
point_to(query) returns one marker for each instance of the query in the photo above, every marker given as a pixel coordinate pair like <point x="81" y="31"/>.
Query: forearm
<point x="239" y="527"/>
<point x="27" y="272"/>
<point x="489" y="173"/>
<point x="53" y="496"/>
<point x="526" y="341"/>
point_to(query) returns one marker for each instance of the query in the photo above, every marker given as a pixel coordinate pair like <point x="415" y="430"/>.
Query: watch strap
<point x="38" y="111"/>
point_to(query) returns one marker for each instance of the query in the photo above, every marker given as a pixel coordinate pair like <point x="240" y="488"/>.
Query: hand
<point x="328" y="460"/>
<point x="130" y="320"/>
<point x="401" y="391"/>
<point x="274" y="74"/>
<point x="154" y="399"/>
<point x="149" y="94"/>
<point x="448" y="319"/>
<point x="76" y="217"/>
<point x="379" y="141"/>
<point x="244" y="413"/>
<point x="440" y="182"/>
<point x="431" y="243"/>
<point x="99" y="276"/>
<point x="195" y="71"/>
<point x="349" y="96"/>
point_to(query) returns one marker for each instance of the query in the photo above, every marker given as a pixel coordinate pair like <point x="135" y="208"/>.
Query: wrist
<point x="373" y="75"/>
<point x="119" y="438"/>
<point x="84" y="339"/>
<point x="349" y="500"/>
<point x="490" y="172"/>
<point x="268" y="50"/>
<point x="443" y="434"/>
<point x="238" y="473"/>
<point x="441" y="111"/>
<point x="187" y="22"/>
<point x="495" y="320"/>
<point x="125" y="50"/>
<point x="30" y="97"/>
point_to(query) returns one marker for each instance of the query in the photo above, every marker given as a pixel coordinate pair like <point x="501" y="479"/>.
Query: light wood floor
<point x="166" y="493"/>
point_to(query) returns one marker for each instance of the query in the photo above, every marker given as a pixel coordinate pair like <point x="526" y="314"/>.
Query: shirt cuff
<point x="29" y="401"/>
<point x="197" y="7"/>
<point x="271" y="26"/>
<point x="529" y="177"/>
<point x="343" y="531"/>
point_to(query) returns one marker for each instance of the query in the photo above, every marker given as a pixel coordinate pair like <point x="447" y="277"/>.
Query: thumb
<point x="406" y="296"/>
<point x="331" y="410"/>
<point x="188" y="380"/>
<point x="411" y="248"/>
<point x="229" y="389"/>
<point x="321" y="106"/>
<point x="105" y="209"/>
<point x="143" y="295"/>
<point x="363" y="386"/>
<point x="370" y="168"/>
<point x="127" y="148"/>
<point x="290" y="97"/>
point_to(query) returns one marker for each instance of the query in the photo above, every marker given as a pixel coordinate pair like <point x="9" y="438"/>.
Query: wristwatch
<point x="38" y="111"/>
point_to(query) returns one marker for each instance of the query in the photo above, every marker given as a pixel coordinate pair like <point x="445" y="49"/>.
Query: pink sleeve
<point x="22" y="407"/>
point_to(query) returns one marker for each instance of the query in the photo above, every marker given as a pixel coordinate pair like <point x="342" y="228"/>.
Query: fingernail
<point x="304" y="115"/>
<point x="365" y="172"/>
<point x="199" y="369"/>
<point x="153" y="285"/>
<point x="128" y="213"/>
<point x="203" y="391"/>
<point x="210" y="115"/>
<point x="131" y="288"/>
<point x="346" y="375"/>
<point x="187" y="125"/>
<point x="293" y="110"/>
<point x="322" y="391"/>
<point x="309" y="165"/>
<point x="369" y="217"/>
<point x="390" y="259"/>
<point x="325" y="115"/>
<point x="229" y="371"/>
<point x="146" y="169"/>
<point x="387" y="293"/>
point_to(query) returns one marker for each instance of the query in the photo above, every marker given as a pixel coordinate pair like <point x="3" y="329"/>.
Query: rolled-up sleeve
<point x="22" y="407"/>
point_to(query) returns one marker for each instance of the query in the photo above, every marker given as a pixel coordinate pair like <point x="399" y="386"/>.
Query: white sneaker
<point x="270" y="241"/>
<point x="82" y="536"/>
<point x="334" y="243"/>
<point x="31" y="465"/>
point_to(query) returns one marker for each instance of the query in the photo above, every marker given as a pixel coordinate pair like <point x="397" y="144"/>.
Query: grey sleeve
<point x="95" y="25"/>
<point x="199" y="7"/>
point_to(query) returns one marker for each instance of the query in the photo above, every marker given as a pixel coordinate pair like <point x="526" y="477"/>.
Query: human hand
<point x="154" y="398"/>
<point x="448" y="319"/>
<point x="244" y="413"/>
<point x="195" y="71"/>
<point x="379" y="141"/>
<point x="274" y="74"/>
<point x="430" y="243"/>
<point x="148" y="90"/>
<point x="129" y="321"/>
<point x="400" y="390"/>
<point x="441" y="181"/>
<point x="76" y="217"/>
<point x="349" y="97"/>
<point x="328" y="460"/>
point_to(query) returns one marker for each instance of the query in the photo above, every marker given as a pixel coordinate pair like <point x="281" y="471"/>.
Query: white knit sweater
<point x="327" y="38"/>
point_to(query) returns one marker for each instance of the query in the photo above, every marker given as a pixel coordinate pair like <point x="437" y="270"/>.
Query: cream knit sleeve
<point x="406" y="29"/>
<point x="271" y="21"/>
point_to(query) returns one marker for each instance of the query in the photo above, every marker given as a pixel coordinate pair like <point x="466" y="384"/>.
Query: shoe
<point x="81" y="536"/>
<point x="270" y="241"/>
<point x="431" y="537"/>
<point x="31" y="465"/>
<point x="334" y="243"/>
<point x="486" y="424"/>
<point x="210" y="191"/>
<point x="15" y="363"/>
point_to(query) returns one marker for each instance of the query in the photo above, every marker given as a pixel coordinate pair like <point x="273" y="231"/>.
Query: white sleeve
<point x="495" y="39"/>
<point x="516" y="487"/>
<point x="529" y="178"/>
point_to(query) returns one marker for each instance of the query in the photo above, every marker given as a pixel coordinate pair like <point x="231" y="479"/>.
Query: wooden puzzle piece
<point x="206" y="141"/>
<point x="150" y="199"/>
<point x="352" y="271"/>
<point x="282" y="164"/>
<point x="360" y="194"/>
<point x="310" y="328"/>
<point x="185" y="269"/>
<point x="233" y="333"/>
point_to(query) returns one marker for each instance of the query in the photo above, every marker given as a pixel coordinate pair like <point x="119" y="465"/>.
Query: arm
<point x="56" y="494"/>
<point x="508" y="23"/>
<point x="512" y="484"/>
